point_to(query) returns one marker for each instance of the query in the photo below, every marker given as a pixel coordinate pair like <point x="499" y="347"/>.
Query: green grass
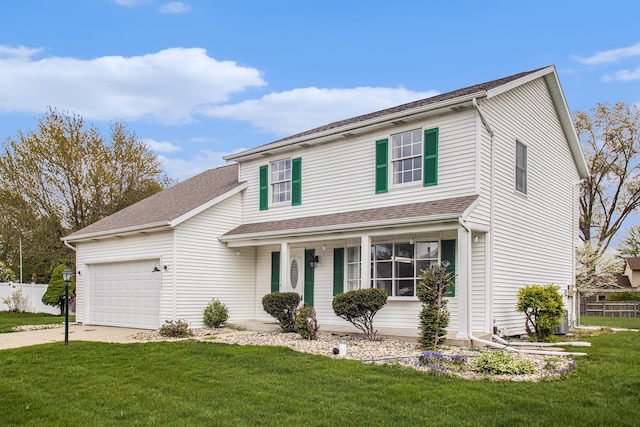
<point x="8" y="320"/>
<point x="190" y="383"/>
<point x="612" y="322"/>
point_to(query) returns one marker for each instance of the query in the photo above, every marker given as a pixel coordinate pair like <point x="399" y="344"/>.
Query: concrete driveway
<point x="76" y="333"/>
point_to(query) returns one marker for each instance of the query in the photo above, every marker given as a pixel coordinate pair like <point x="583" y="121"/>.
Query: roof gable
<point x="633" y="262"/>
<point x="167" y="206"/>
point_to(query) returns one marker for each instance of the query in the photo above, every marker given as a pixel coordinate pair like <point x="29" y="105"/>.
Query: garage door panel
<point x="125" y="294"/>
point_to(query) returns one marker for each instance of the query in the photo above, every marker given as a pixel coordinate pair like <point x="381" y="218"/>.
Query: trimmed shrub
<point x="306" y="323"/>
<point x="54" y="296"/>
<point x="503" y="363"/>
<point x="434" y="316"/>
<point x="282" y="306"/>
<point x="175" y="329"/>
<point x="543" y="308"/>
<point x="623" y="296"/>
<point x="359" y="307"/>
<point x="215" y="314"/>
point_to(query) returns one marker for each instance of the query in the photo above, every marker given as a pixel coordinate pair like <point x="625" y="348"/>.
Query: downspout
<point x="489" y="276"/>
<point x="576" y="303"/>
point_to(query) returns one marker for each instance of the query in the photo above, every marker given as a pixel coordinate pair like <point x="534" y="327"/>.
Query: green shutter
<point x="448" y="253"/>
<point x="264" y="187"/>
<point x="430" y="166"/>
<point x="308" y="277"/>
<point x="296" y="181"/>
<point x="382" y="165"/>
<point x="275" y="271"/>
<point x="338" y="271"/>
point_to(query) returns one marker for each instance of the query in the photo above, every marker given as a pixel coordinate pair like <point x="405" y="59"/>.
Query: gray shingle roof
<point x="419" y="211"/>
<point x="168" y="204"/>
<point x="409" y="106"/>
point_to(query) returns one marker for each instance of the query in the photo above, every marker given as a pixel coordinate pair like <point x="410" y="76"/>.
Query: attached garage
<point x="125" y="294"/>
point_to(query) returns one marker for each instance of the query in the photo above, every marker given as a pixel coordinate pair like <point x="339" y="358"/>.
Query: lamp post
<point x="66" y="274"/>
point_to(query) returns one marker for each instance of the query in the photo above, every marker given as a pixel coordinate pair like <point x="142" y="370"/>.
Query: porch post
<point x="365" y="261"/>
<point x="462" y="281"/>
<point x="284" y="266"/>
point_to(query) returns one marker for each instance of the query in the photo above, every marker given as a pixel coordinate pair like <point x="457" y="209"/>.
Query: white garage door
<point x="125" y="294"/>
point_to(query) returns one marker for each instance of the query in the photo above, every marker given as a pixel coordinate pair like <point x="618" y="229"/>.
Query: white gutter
<point x="69" y="245"/>
<point x="156" y="226"/>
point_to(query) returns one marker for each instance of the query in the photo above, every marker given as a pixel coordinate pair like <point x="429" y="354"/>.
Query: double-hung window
<point x="412" y="157"/>
<point x="521" y="167"/>
<point x="281" y="181"/>
<point x="397" y="267"/>
<point x="406" y="156"/>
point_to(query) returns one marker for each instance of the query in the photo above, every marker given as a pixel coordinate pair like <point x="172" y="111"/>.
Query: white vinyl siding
<point x="533" y="235"/>
<point x="209" y="269"/>
<point x="352" y="166"/>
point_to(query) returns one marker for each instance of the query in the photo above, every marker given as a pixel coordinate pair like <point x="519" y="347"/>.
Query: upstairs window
<point x="406" y="156"/>
<point x="521" y="167"/>
<point x="281" y="181"/>
<point x="412" y="157"/>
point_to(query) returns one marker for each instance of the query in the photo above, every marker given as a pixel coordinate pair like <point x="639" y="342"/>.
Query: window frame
<point x="522" y="167"/>
<point x="395" y="260"/>
<point x="399" y="161"/>
<point x="273" y="183"/>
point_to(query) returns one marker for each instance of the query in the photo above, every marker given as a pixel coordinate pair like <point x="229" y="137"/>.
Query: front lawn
<point x="189" y="383"/>
<point x="8" y="320"/>
<point x="612" y="322"/>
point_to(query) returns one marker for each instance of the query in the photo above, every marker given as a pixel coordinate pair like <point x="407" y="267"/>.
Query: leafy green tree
<point x="55" y="291"/>
<point x="630" y="245"/>
<point x="62" y="177"/>
<point x="543" y="308"/>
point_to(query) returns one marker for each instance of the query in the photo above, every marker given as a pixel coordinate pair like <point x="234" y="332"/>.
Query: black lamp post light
<point x="66" y="275"/>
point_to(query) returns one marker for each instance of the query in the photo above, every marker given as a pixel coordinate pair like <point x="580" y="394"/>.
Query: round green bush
<point x="282" y="306"/>
<point x="359" y="307"/>
<point x="215" y="314"/>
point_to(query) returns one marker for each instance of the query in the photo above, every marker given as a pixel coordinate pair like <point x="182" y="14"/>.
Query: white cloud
<point x="293" y="111"/>
<point x="161" y="146"/>
<point x="19" y="52"/>
<point x="181" y="168"/>
<point x="623" y="75"/>
<point x="167" y="86"/>
<point x="175" y="7"/>
<point x="612" y="55"/>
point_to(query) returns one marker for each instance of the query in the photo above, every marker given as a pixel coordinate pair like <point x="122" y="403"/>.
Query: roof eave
<point x="120" y="232"/>
<point x="319" y="137"/>
<point x="388" y="223"/>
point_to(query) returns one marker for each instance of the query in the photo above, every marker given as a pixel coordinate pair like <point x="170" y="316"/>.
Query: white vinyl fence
<point x="33" y="291"/>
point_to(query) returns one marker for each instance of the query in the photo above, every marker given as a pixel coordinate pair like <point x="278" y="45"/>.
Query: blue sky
<point x="200" y="79"/>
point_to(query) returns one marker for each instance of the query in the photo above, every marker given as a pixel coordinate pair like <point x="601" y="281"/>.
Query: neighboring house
<point x="483" y="177"/>
<point x="631" y="276"/>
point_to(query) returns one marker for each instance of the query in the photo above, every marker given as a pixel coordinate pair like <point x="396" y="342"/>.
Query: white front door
<point x="296" y="272"/>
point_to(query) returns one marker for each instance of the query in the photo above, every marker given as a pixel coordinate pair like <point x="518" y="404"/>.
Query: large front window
<point x="281" y="181"/>
<point x="406" y="156"/>
<point x="397" y="267"/>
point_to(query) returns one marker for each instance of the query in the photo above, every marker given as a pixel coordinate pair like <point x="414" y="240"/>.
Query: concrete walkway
<point x="76" y="333"/>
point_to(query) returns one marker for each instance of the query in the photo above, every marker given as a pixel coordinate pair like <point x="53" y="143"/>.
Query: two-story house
<point x="483" y="177"/>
